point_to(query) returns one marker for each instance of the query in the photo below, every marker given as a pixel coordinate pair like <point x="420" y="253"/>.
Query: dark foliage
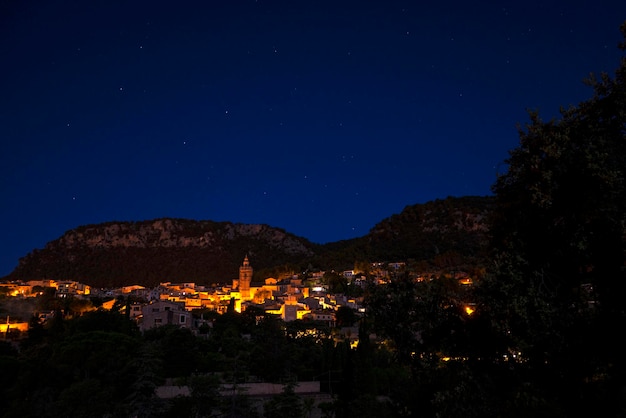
<point x="557" y="289"/>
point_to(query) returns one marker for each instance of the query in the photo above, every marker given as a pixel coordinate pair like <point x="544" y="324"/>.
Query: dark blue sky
<point x="319" y="117"/>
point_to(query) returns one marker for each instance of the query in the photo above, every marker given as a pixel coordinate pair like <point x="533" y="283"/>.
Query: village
<point x="289" y="298"/>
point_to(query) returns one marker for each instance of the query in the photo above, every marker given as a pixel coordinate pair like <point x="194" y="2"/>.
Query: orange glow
<point x="469" y="309"/>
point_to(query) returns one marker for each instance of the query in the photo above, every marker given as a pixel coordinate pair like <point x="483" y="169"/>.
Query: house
<point x="164" y="312"/>
<point x="67" y="288"/>
<point x="131" y="288"/>
<point x="289" y="311"/>
<point x="135" y="310"/>
<point x="322" y="315"/>
<point x="16" y="289"/>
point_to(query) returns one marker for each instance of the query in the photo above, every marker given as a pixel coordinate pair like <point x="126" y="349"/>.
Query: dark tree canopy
<point x="558" y="286"/>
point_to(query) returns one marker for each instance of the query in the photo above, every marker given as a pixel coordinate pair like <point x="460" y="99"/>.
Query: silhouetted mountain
<point x="149" y="252"/>
<point x="455" y="227"/>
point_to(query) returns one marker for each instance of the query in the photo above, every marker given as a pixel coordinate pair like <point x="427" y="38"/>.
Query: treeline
<point x="99" y="364"/>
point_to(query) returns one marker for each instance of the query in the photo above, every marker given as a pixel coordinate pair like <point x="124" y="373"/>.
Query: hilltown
<point x="173" y="303"/>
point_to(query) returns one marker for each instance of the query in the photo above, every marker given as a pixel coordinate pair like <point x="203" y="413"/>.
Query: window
<point x="183" y="318"/>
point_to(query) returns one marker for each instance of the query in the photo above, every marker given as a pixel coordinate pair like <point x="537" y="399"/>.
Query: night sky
<point x="318" y="117"/>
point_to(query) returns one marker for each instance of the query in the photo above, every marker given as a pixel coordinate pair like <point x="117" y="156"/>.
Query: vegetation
<point x="544" y="339"/>
<point x="558" y="286"/>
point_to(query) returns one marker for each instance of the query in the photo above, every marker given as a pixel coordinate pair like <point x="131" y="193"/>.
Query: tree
<point x="71" y="400"/>
<point x="178" y="348"/>
<point x="346" y="317"/>
<point x="142" y="400"/>
<point x="204" y="394"/>
<point x="102" y="320"/>
<point x="286" y="404"/>
<point x="336" y="282"/>
<point x="419" y="319"/>
<point x="558" y="284"/>
<point x="269" y="357"/>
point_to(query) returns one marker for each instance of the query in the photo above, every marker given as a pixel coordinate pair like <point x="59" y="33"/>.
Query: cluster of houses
<point x="289" y="298"/>
<point x="173" y="303"/>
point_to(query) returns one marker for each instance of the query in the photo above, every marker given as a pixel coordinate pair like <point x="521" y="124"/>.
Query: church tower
<point x="245" y="277"/>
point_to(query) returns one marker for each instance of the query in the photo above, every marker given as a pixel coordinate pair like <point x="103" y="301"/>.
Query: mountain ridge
<point x="148" y="252"/>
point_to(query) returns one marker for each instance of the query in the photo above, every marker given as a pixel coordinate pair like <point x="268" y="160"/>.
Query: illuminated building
<point x="245" y="277"/>
<point x="164" y="312"/>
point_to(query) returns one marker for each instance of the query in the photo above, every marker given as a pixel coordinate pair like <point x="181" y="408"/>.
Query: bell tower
<point x="245" y="277"/>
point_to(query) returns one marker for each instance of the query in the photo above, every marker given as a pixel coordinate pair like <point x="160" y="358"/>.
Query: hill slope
<point x="452" y="226"/>
<point x="149" y="252"/>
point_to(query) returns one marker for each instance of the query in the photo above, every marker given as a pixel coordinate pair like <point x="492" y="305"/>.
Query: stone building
<point x="164" y="312"/>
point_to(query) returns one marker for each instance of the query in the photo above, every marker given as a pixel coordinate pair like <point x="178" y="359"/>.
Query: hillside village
<point x="313" y="313"/>
<point x="288" y="298"/>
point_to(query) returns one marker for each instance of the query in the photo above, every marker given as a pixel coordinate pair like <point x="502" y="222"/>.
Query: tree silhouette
<point x="557" y="287"/>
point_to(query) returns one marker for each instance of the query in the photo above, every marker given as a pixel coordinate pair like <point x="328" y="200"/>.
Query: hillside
<point x="148" y="252"/>
<point x="453" y="228"/>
